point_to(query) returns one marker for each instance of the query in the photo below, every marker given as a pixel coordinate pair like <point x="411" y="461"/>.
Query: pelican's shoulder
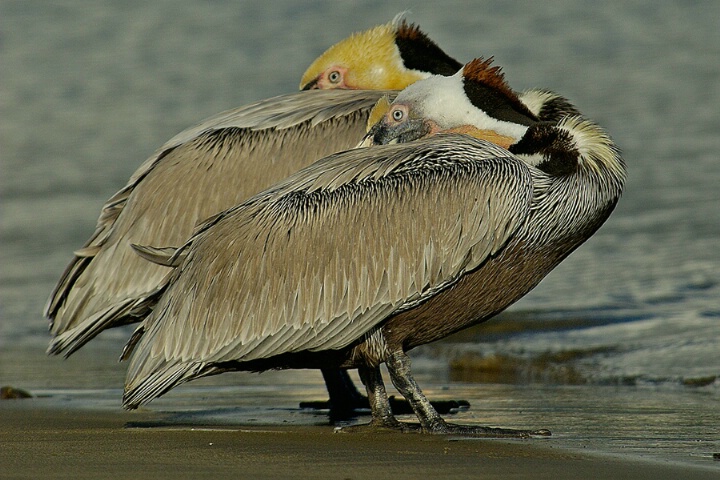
<point x="280" y="112"/>
<point x="285" y="111"/>
<point x="445" y="160"/>
<point x="446" y="152"/>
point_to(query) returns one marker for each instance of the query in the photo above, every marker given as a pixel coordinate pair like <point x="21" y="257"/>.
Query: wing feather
<point x="203" y="170"/>
<point x="314" y="264"/>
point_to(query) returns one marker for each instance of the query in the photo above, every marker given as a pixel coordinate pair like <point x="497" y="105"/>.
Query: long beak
<point x="406" y="132"/>
<point x="312" y="85"/>
<point x="382" y="134"/>
<point x="367" y="141"/>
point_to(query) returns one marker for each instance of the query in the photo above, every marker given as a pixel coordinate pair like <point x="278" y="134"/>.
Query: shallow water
<point x="87" y="92"/>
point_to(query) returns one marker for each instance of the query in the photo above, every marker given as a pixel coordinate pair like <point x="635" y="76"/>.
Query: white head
<point x="476" y="101"/>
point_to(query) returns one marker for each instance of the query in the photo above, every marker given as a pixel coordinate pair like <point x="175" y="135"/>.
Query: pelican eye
<point x="398" y="115"/>
<point x="334" y="76"/>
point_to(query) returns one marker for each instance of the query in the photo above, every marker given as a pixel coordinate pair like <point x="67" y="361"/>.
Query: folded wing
<point x="201" y="171"/>
<point x="321" y="259"/>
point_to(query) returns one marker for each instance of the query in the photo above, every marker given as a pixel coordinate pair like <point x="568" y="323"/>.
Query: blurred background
<point x="88" y="90"/>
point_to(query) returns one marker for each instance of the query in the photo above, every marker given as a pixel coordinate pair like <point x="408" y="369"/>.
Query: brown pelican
<point x="222" y="162"/>
<point x="365" y="254"/>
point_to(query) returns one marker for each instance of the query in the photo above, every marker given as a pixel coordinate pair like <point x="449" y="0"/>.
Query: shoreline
<point x="63" y="441"/>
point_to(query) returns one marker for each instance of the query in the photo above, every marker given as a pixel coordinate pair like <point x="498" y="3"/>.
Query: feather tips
<point x="182" y="184"/>
<point x="315" y="263"/>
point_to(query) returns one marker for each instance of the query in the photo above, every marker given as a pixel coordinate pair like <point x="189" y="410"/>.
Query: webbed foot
<point x="444" y="428"/>
<point x="390" y="425"/>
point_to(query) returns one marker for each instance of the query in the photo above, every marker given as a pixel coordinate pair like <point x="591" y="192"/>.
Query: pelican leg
<point x="342" y="389"/>
<point x="346" y="402"/>
<point x="345" y="399"/>
<point x="398" y="364"/>
<point x="382" y="415"/>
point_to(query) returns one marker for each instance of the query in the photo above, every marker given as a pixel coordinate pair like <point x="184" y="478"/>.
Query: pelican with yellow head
<point x="401" y="54"/>
<point x="223" y="161"/>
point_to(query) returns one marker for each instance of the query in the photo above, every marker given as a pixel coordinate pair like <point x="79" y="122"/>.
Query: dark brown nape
<point x="559" y="152"/>
<point x="418" y="52"/>
<point x="557" y="108"/>
<point x="486" y="88"/>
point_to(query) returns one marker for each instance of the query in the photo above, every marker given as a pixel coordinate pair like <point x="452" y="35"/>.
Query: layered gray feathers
<point x="322" y="258"/>
<point x="201" y="171"/>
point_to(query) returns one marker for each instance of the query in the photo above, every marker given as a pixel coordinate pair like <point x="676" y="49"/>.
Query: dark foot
<point x="381" y="427"/>
<point x="446" y="429"/>
<point x="398" y="364"/>
<point x="486" y="432"/>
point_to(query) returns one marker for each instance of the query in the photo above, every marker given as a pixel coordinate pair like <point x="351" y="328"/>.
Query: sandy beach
<point x="250" y="426"/>
<point x="61" y="442"/>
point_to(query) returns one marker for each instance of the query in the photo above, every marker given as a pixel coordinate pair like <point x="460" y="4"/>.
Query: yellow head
<point x="387" y="57"/>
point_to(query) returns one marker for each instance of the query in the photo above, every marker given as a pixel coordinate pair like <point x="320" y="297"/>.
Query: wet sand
<point x="249" y="426"/>
<point x="66" y="442"/>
